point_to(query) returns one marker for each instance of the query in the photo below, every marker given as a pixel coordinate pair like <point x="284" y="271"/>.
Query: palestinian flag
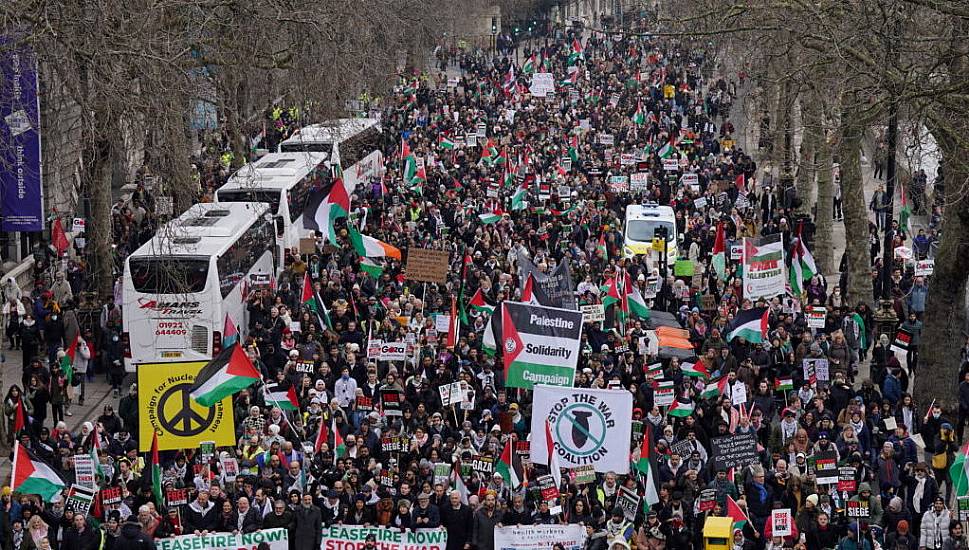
<point x="230" y="334"/>
<point x="32" y="476"/>
<point x="695" y="370"/>
<point x="638" y="117"/>
<point x="601" y="249"/>
<point x="959" y="471"/>
<point x="681" y="409"/>
<point x="610" y="293"/>
<point x="339" y="447"/>
<point x="578" y="52"/>
<point x="862" y="330"/>
<point x="369" y="266"/>
<point x="741" y="182"/>
<point x="489" y="153"/>
<point x="478" y="303"/>
<point x="633" y="302"/>
<point x="802" y="266"/>
<point x="646" y="465"/>
<point x="749" y="324"/>
<point x="654" y="371"/>
<point x="444" y="143"/>
<point x="529" y="66"/>
<point x="510" y="466"/>
<point x="228" y="373"/>
<point x="714" y="388"/>
<point x="905" y="214"/>
<point x="323" y="208"/>
<point x="574" y="149"/>
<point x="667" y="150"/>
<point x="67" y="362"/>
<point x="720" y="253"/>
<point x="409" y="160"/>
<point x="311" y="300"/>
<point x="284" y="398"/>
<point x="553" y="458"/>
<point x="784" y="384"/>
<point x="518" y="199"/>
<point x="489" y="218"/>
<point x="457" y="483"/>
<point x="734" y="512"/>
<point x="370" y="247"/>
<point x="156" y="477"/>
<point x="490" y="337"/>
<point x="321" y="436"/>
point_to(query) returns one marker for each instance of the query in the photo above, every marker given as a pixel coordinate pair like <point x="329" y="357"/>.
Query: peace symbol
<point x="186" y="422"/>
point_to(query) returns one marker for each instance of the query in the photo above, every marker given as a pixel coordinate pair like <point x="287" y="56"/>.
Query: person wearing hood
<point x="874" y="503"/>
<point x="595" y="540"/>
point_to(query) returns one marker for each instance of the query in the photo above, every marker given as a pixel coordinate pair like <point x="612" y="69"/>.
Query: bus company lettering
<point x="181" y="309"/>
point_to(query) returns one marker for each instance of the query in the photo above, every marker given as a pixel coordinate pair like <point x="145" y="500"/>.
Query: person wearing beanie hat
<point x="807" y="516"/>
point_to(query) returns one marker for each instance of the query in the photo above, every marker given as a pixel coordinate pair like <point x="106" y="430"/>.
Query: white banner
<point x="278" y="539"/>
<point x="763" y="267"/>
<point x="349" y="537"/>
<point x="393" y="351"/>
<point x="588" y="427"/>
<point x="540" y="537"/>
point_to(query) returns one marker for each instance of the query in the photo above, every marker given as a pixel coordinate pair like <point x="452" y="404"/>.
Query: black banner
<point x="556" y="286"/>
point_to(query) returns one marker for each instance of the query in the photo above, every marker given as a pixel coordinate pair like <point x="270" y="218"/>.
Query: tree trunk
<point x="807" y="167"/>
<point x="824" y="227"/>
<point x="98" y="160"/>
<point x="945" y="322"/>
<point x="856" y="214"/>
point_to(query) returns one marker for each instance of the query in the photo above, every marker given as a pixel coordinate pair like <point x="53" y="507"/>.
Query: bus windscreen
<point x="169" y="275"/>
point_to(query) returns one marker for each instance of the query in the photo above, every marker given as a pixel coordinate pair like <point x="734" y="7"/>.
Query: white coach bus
<point x="353" y="143"/>
<point x="179" y="286"/>
<point x="284" y="181"/>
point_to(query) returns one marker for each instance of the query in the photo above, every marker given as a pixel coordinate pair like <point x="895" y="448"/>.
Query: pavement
<point x="97" y="394"/>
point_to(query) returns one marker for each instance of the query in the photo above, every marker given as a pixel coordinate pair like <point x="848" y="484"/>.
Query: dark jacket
<point x="483" y="529"/>
<point x="251" y="523"/>
<point x="133" y="538"/>
<point x="198" y="519"/>
<point x="286" y="520"/>
<point x="458" y="525"/>
<point x="308" y="530"/>
<point x="89" y="539"/>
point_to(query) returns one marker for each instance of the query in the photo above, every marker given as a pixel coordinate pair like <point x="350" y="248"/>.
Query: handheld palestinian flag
<point x="638" y="117"/>
<point x="578" y="52"/>
<point x="784" y="384"/>
<point x="230" y="334"/>
<point x="510" y="466"/>
<point x="20" y="416"/>
<point x="33" y="476"/>
<point x="518" y="201"/>
<point x="633" y="302"/>
<point x="370" y="247"/>
<point x="681" y="409"/>
<point x="714" y="388"/>
<point x="574" y="149"/>
<point x="529" y="66"/>
<point x="444" y="143"/>
<point x="646" y="465"/>
<point x="156" y="476"/>
<point x="736" y="513"/>
<point x="802" y="267"/>
<point x="720" y="253"/>
<point x="339" y="447"/>
<point x="228" y="373"/>
<point x="323" y="208"/>
<point x="284" y="398"/>
<point x="601" y="249"/>
<point x="959" y="471"/>
<point x="667" y="150"/>
<point x="695" y="370"/>
<point x="322" y="436"/>
<point x="749" y="324"/>
<point x="478" y="303"/>
<point x="369" y="266"/>
<point x="610" y="293"/>
<point x="905" y="214"/>
<point x="489" y="218"/>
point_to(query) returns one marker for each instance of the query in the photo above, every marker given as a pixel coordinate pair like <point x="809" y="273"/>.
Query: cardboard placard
<point x="734" y="451"/>
<point x="781" y="522"/>
<point x="736" y="251"/>
<point x="230" y="468"/>
<point x="628" y="501"/>
<point x="373" y="349"/>
<point x="924" y="268"/>
<point x="176" y="497"/>
<point x="390" y="401"/>
<point x="594" y="313"/>
<point x="307" y="246"/>
<point x="427" y="265"/>
<point x="846" y="479"/>
<point x="364" y="403"/>
<point x="858" y="509"/>
<point x="682" y="447"/>
<point x="671" y="165"/>
<point x="606" y="139"/>
<point x="815" y="316"/>
<point x="84" y="471"/>
<point x="708" y="302"/>
<point x="963" y="503"/>
<point x="639" y="182"/>
<point x="583" y="475"/>
<point x="663" y="397"/>
<point x="825" y="465"/>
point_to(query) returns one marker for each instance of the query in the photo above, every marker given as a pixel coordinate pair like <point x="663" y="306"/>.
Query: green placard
<point x="683" y="268"/>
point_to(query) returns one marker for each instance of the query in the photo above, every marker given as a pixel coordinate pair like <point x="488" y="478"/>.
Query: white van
<point x="642" y="220"/>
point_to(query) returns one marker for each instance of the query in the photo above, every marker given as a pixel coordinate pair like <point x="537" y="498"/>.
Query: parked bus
<point x="180" y="286"/>
<point x="354" y="143"/>
<point x="284" y="182"/>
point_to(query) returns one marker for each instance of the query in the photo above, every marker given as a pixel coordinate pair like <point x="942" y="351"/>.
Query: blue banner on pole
<point x="21" y="183"/>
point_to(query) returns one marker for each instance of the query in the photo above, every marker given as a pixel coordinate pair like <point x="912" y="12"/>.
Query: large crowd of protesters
<point x="899" y="451"/>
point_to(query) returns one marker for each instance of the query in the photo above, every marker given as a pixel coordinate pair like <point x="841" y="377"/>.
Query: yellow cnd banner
<point x="166" y="408"/>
